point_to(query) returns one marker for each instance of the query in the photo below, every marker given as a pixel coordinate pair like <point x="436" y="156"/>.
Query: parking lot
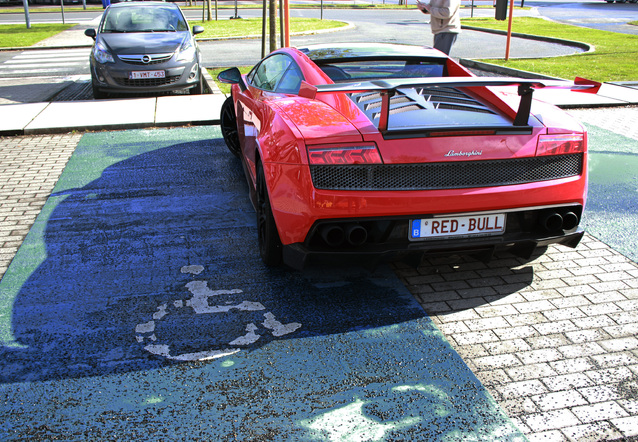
<point x="95" y="301"/>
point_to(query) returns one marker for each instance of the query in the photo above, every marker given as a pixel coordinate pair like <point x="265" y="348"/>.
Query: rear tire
<point x="228" y="123"/>
<point x="270" y="247"/>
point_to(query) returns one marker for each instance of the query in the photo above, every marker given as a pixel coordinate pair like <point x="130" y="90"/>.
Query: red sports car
<point x="381" y="152"/>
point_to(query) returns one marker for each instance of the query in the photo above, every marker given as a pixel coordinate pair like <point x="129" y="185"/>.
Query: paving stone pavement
<point x="553" y="338"/>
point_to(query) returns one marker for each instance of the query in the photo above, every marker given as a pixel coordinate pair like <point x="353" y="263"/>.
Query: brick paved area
<point x="553" y="339"/>
<point x="29" y="169"/>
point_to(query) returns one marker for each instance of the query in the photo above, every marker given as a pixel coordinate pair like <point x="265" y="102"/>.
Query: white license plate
<point x="136" y="75"/>
<point x="473" y="225"/>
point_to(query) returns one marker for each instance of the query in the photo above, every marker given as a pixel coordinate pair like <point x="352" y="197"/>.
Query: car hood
<point x="143" y="42"/>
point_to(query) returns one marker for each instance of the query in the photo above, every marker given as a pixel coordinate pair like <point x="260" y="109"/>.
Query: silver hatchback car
<point x="144" y="47"/>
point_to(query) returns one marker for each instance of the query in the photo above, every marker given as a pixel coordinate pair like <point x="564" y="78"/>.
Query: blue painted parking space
<point x="138" y="308"/>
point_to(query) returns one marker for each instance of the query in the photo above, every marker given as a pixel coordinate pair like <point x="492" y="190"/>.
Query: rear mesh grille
<point x="453" y="175"/>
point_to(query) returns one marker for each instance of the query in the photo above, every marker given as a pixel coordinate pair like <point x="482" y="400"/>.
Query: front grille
<point x="147" y="82"/>
<point x="152" y="59"/>
<point x="452" y="175"/>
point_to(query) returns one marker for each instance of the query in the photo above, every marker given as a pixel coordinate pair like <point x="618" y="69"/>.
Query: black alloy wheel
<point x="228" y="123"/>
<point x="270" y="247"/>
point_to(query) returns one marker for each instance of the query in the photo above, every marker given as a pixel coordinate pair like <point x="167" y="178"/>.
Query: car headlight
<point x="186" y="51"/>
<point x="101" y="54"/>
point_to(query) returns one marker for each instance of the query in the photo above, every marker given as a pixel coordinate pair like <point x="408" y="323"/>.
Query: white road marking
<point x="200" y="304"/>
<point x="193" y="270"/>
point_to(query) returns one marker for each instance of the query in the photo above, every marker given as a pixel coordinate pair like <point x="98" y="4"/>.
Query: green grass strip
<point x="614" y="57"/>
<point x="18" y="35"/>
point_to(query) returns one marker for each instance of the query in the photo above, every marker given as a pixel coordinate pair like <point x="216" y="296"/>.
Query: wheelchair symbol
<point x="199" y="303"/>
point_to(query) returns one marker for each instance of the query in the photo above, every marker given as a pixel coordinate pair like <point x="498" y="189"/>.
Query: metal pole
<point x="236" y="16"/>
<point x="287" y="24"/>
<point x="27" y="18"/>
<point x="509" y="31"/>
<point x="62" y="8"/>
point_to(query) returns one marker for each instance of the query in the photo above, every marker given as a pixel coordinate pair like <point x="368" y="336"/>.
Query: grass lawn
<point x="252" y="26"/>
<point x="19" y="35"/>
<point x="614" y="58"/>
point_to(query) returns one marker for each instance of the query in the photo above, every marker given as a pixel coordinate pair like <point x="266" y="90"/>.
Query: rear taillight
<point x="560" y="144"/>
<point x="344" y="155"/>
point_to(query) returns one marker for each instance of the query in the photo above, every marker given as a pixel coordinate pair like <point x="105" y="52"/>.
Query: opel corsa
<point x="144" y="47"/>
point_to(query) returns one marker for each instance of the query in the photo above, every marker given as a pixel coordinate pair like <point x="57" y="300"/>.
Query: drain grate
<point x="78" y="90"/>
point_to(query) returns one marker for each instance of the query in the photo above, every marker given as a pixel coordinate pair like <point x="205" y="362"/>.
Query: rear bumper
<point x="387" y="241"/>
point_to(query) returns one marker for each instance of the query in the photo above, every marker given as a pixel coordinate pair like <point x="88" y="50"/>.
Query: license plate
<point x="473" y="225"/>
<point x="136" y="75"/>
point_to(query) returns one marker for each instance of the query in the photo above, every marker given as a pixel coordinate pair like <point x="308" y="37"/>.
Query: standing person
<point x="445" y="22"/>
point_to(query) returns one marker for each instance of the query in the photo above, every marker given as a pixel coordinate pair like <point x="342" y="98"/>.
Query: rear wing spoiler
<point x="388" y="88"/>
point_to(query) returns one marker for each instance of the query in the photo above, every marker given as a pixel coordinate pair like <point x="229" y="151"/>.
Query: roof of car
<point x="125" y="4"/>
<point x="367" y="50"/>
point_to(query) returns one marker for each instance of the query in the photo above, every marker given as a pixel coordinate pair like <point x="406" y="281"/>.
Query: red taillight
<point x="344" y="155"/>
<point x="560" y="144"/>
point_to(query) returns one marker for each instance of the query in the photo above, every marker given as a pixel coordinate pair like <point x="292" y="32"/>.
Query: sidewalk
<point x="34" y="114"/>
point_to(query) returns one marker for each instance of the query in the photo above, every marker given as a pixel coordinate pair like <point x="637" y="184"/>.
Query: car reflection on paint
<point x="144" y="47"/>
<point x="371" y="152"/>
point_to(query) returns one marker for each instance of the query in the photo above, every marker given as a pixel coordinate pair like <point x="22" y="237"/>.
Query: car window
<point x="290" y="81"/>
<point x="376" y="69"/>
<point x="277" y="73"/>
<point x="144" y="19"/>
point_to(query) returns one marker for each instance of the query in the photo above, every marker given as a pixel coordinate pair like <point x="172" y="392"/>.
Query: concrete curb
<point x="502" y="70"/>
<point x="586" y="47"/>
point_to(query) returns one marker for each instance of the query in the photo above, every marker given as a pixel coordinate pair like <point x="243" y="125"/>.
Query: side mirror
<point x="198" y="29"/>
<point x="90" y="33"/>
<point x="232" y="76"/>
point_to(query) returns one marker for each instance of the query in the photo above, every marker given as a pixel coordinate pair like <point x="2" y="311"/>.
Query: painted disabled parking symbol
<point x="204" y="302"/>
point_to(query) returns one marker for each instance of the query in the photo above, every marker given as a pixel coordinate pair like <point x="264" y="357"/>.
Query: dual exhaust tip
<point x="554" y="221"/>
<point x="336" y="235"/>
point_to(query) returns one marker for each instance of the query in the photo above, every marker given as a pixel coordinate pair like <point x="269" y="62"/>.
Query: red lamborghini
<point x="381" y="152"/>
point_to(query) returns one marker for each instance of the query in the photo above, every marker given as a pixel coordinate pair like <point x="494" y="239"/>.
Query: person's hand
<point x="424" y="7"/>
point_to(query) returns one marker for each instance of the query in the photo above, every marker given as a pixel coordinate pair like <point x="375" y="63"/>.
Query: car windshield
<point x="347" y="70"/>
<point x="144" y="19"/>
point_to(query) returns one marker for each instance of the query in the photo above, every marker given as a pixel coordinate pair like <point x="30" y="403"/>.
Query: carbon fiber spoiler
<point x="388" y="88"/>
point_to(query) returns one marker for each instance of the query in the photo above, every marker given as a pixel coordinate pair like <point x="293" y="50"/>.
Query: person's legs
<point x="443" y="41"/>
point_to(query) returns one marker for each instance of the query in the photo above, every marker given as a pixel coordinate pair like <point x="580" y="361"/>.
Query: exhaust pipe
<point x="570" y="220"/>
<point x="356" y="235"/>
<point x="552" y="221"/>
<point x="333" y="235"/>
